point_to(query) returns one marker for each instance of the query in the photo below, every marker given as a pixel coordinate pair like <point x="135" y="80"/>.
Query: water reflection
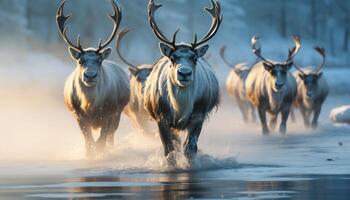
<point x="184" y="185"/>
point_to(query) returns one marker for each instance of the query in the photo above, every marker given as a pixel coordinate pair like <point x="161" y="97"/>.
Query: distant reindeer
<point x="139" y="74"/>
<point x="97" y="91"/>
<point x="182" y="88"/>
<point x="271" y="87"/>
<point x="235" y="85"/>
<point x="312" y="91"/>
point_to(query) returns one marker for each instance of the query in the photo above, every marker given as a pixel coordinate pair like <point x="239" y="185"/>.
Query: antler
<point x="116" y="19"/>
<point x="216" y="16"/>
<point x="61" y="20"/>
<point x="119" y="38"/>
<point x="294" y="51"/>
<point x="152" y="7"/>
<point x="257" y="49"/>
<point x="322" y="52"/>
<point x="222" y="54"/>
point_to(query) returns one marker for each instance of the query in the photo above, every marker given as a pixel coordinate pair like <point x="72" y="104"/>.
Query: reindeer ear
<point x="75" y="54"/>
<point x="105" y="53"/>
<point x="268" y="66"/>
<point x="202" y="51"/>
<point x="301" y="76"/>
<point x="165" y="49"/>
<point x="319" y="75"/>
<point x="133" y="71"/>
<point x="237" y="71"/>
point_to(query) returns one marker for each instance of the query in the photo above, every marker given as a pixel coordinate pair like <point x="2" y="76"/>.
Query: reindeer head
<point x="88" y="60"/>
<point x="142" y="72"/>
<point x="277" y="70"/>
<point x="310" y="79"/>
<point x="183" y="57"/>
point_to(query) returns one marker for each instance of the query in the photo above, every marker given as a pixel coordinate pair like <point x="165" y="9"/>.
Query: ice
<point x="341" y="114"/>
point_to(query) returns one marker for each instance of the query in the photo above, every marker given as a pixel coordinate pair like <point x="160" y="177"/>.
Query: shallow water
<point x="216" y="184"/>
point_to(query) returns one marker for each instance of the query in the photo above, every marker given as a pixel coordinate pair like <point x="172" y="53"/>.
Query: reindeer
<point x="312" y="91"/>
<point x="271" y="87"/>
<point x="182" y="88"/>
<point x="97" y="91"/>
<point x="135" y="109"/>
<point x="235" y="85"/>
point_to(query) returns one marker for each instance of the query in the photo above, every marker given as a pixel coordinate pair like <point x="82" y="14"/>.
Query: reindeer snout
<point x="184" y="72"/>
<point x="309" y="93"/>
<point x="90" y="75"/>
<point x="279" y="85"/>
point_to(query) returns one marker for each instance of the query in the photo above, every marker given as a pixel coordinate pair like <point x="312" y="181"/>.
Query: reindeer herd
<point x="180" y="90"/>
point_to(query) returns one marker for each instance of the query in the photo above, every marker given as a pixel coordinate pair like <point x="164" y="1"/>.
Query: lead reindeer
<point x="235" y="85"/>
<point x="312" y="91"/>
<point x="182" y="88"/>
<point x="271" y="87"/>
<point x="97" y="91"/>
<point x="138" y="76"/>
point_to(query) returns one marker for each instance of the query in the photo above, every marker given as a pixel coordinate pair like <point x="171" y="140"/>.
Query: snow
<point x="340" y="114"/>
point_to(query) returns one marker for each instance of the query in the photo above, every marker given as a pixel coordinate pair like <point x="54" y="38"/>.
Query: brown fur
<point x="308" y="106"/>
<point x="259" y="88"/>
<point x="235" y="85"/>
<point x="135" y="109"/>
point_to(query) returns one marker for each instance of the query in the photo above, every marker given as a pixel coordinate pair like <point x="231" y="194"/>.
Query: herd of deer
<point x="180" y="90"/>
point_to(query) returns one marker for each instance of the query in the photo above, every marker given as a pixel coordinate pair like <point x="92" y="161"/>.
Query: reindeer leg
<point x="285" y="114"/>
<point x="292" y="114"/>
<point x="105" y="130"/>
<point x="252" y="112"/>
<point x="317" y="112"/>
<point x="262" y="116"/>
<point x="114" y="127"/>
<point x="305" y="115"/>
<point x="166" y="137"/>
<point x="273" y="121"/>
<point x="89" y="140"/>
<point x="191" y="147"/>
<point x="243" y="110"/>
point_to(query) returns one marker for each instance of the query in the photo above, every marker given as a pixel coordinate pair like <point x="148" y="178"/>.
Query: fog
<point x="39" y="135"/>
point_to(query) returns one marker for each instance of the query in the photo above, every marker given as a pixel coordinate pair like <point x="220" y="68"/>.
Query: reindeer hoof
<point x="314" y="125"/>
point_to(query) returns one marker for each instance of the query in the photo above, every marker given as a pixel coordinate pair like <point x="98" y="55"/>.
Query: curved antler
<point x="322" y="52"/>
<point x="61" y="20"/>
<point x="152" y="8"/>
<point x="294" y="51"/>
<point x="257" y="49"/>
<point x="222" y="54"/>
<point x="299" y="69"/>
<point x="116" y="19"/>
<point x="119" y="38"/>
<point x="216" y="16"/>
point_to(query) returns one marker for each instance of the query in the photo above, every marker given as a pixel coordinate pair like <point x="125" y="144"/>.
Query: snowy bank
<point x="341" y="114"/>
